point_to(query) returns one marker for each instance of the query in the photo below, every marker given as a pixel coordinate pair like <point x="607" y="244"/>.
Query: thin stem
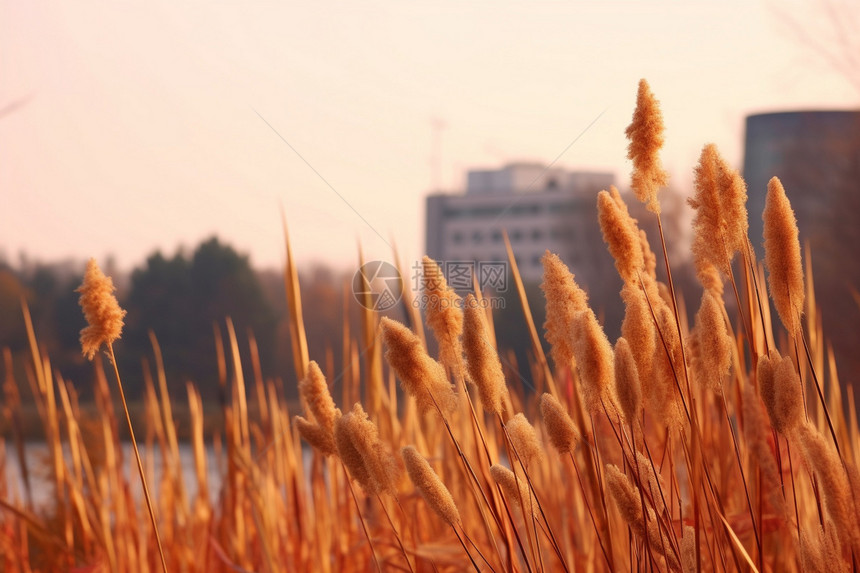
<point x="146" y="495"/>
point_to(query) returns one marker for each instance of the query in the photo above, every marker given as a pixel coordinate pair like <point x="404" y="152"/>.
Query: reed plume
<point x="638" y="329"/>
<point x="645" y="133"/>
<point x="627" y="385"/>
<point x="629" y="503"/>
<point x="429" y="485"/>
<point x="421" y="376"/>
<point x="319" y="432"/>
<point x="525" y="440"/>
<point x="482" y="361"/>
<point x="821" y="457"/>
<point x="515" y="488"/>
<point x="662" y="390"/>
<point x="620" y="235"/>
<point x="364" y="455"/>
<point x="781" y="392"/>
<point x="756" y="432"/>
<point x="444" y="315"/>
<point x="562" y="432"/>
<point x="594" y="361"/>
<point x="101" y="310"/>
<point x="782" y="257"/>
<point x="714" y="343"/>
<point x="564" y="299"/>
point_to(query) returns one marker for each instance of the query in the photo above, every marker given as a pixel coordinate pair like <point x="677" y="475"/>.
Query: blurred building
<point x="816" y="155"/>
<point x="540" y="208"/>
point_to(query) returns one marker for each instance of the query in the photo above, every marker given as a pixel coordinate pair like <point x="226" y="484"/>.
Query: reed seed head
<point x="444" y="314"/>
<point x="101" y="310"/>
<point x="715" y="343"/>
<point x="421" y="376"/>
<point x="594" y="361"/>
<point x="482" y="361"/>
<point x="645" y="133"/>
<point x="562" y="432"/>
<point x="782" y="257"/>
<point x="525" y="439"/>
<point x="627" y="385"/>
<point x="564" y="298"/>
<point x="317" y="436"/>
<point x="314" y="391"/>
<point x="429" y="485"/>
<point x="638" y="329"/>
<point x="515" y="488"/>
<point x="368" y="460"/>
<point x="620" y="235"/>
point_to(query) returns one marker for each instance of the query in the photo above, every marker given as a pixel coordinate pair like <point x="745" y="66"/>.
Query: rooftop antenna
<point x="437" y="124"/>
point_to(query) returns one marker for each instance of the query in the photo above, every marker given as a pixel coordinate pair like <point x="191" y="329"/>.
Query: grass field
<point x="718" y="440"/>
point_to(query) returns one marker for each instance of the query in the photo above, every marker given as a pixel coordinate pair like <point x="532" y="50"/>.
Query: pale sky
<point x="139" y="127"/>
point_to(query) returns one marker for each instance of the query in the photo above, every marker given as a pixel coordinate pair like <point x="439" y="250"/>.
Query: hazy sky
<point x="139" y="127"/>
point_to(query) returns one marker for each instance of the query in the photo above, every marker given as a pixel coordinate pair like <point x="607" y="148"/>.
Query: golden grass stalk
<point x="525" y="440"/>
<point x="104" y="319"/>
<point x="822" y="459"/>
<point x="781" y="392"/>
<point x="482" y="362"/>
<point x="516" y="489"/>
<point x="421" y="376"/>
<point x="627" y="385"/>
<point x="782" y="257"/>
<point x="714" y="343"/>
<point x="562" y="432"/>
<point x="641" y="519"/>
<point x="620" y="235"/>
<point x="444" y="315"/>
<point x="368" y="460"/>
<point x="564" y="298"/>
<point x="638" y="329"/>
<point x="594" y="361"/>
<point x="314" y="391"/>
<point x="429" y="485"/>
<point x="645" y="133"/>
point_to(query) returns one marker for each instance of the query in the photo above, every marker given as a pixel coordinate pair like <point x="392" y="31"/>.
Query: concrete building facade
<point x="540" y="208"/>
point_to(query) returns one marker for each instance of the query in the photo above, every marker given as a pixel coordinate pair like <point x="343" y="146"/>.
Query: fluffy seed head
<point x="638" y="329"/>
<point x="594" y="361"/>
<point x="561" y="430"/>
<point x="316" y="436"/>
<point x="781" y="392"/>
<point x="782" y="257"/>
<point x="645" y="133"/>
<point x="482" y="361"/>
<point x="620" y="235"/>
<point x="366" y="457"/>
<point x="627" y="385"/>
<point x="444" y="314"/>
<point x="709" y="222"/>
<point x="101" y="310"/>
<point x="648" y="256"/>
<point x="822" y="458"/>
<point x="421" y="376"/>
<point x="515" y="488"/>
<point x="564" y="298"/>
<point x="429" y="485"/>
<point x="314" y="391"/>
<point x="525" y="439"/>
<point x="715" y="344"/>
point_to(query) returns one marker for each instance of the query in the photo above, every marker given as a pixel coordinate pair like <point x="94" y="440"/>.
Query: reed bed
<point x="720" y="443"/>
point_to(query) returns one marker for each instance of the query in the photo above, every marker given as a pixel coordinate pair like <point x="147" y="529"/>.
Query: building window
<point x="537" y="235"/>
<point x="516" y="236"/>
<point x="457" y="238"/>
<point x="497" y="236"/>
<point x="477" y="237"/>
